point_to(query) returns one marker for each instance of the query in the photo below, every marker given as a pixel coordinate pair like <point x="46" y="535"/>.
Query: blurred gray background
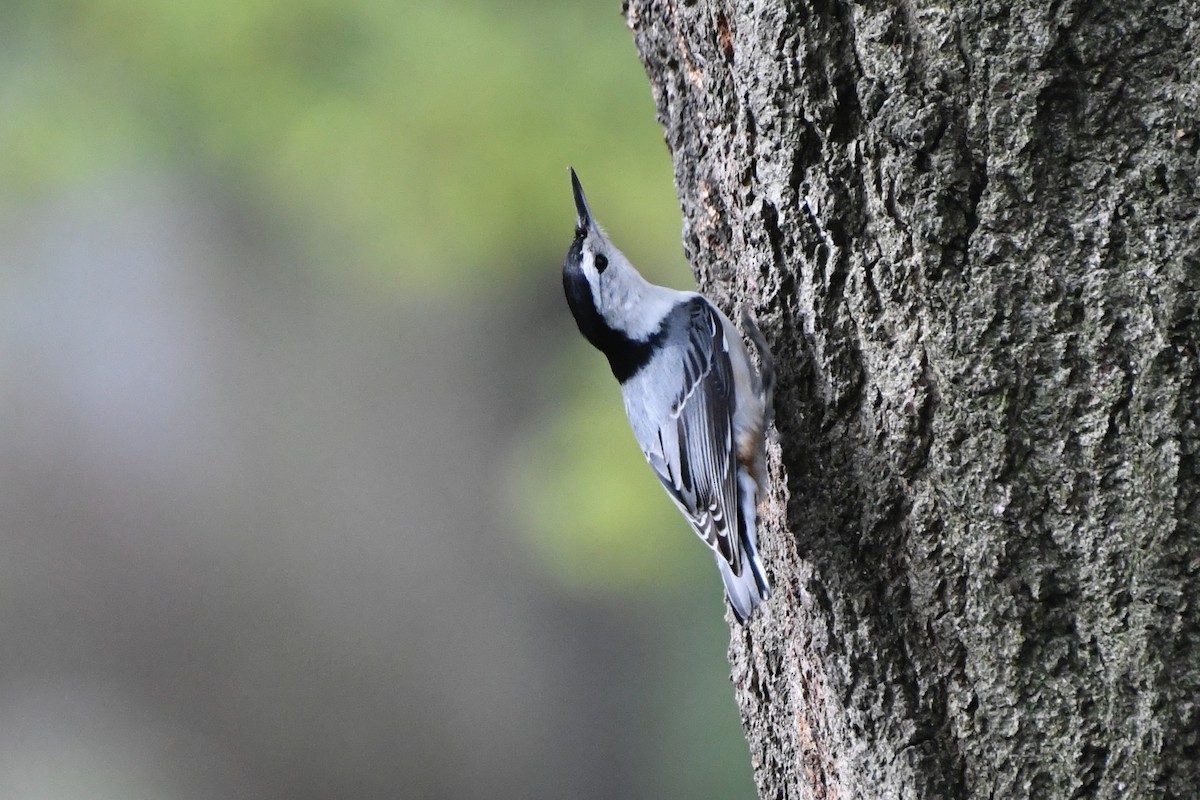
<point x="308" y="485"/>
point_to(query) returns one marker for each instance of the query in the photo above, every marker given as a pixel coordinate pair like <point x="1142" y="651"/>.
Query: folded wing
<point x="693" y="451"/>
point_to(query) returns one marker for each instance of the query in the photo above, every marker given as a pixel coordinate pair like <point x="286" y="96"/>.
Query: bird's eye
<point x="580" y="233"/>
<point x="601" y="262"/>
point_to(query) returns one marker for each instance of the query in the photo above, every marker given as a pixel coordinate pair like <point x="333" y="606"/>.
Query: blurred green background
<point x="308" y="485"/>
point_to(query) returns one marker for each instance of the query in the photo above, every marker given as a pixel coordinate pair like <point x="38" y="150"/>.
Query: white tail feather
<point x="748" y="590"/>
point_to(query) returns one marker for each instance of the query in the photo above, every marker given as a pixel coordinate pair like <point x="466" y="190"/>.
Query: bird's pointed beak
<point x="583" y="215"/>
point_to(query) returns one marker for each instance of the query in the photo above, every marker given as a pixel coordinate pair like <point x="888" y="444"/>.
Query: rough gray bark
<point x="970" y="232"/>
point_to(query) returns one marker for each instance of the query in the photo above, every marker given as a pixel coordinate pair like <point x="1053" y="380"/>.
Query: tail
<point x="747" y="590"/>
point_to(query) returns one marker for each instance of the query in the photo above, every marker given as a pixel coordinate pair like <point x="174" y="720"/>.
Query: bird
<point x="697" y="407"/>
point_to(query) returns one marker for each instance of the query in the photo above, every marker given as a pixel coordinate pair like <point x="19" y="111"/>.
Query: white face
<point x="595" y="262"/>
<point x="613" y="281"/>
<point x="622" y="297"/>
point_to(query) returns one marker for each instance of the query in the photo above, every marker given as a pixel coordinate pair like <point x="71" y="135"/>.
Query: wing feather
<point x="694" y="456"/>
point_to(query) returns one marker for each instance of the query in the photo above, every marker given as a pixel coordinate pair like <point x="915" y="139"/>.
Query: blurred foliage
<point x="681" y="763"/>
<point x="418" y="146"/>
<point x="413" y="149"/>
<point x="585" y="496"/>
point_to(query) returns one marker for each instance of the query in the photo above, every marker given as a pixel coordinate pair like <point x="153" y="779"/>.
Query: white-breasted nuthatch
<point x="697" y="407"/>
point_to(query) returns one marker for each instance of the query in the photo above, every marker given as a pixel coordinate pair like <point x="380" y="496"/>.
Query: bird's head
<point x="603" y="289"/>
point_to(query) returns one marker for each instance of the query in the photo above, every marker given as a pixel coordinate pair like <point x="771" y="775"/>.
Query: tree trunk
<point x="970" y="234"/>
